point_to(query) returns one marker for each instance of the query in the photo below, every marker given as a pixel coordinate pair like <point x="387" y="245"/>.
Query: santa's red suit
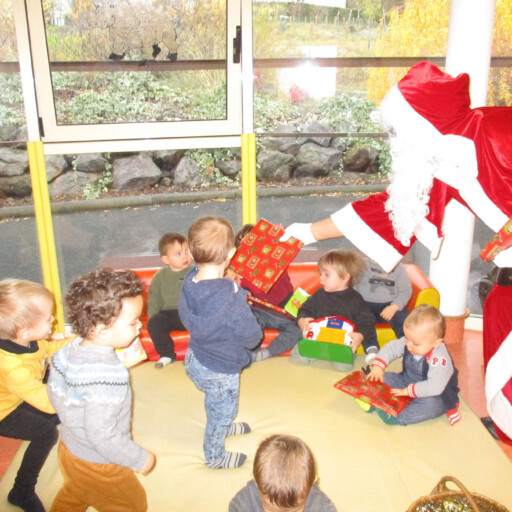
<point x="470" y="152"/>
<point x="498" y="354"/>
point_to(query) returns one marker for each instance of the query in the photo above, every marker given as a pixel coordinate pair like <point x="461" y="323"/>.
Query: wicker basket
<point x="441" y="493"/>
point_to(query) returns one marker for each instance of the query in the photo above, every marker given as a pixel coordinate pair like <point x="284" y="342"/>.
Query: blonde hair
<point x="344" y="261"/>
<point x="210" y="240"/>
<point x="284" y="470"/>
<point x="20" y="305"/>
<point x="426" y="317"/>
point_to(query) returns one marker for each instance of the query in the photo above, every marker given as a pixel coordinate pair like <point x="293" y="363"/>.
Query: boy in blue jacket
<point x="222" y="330"/>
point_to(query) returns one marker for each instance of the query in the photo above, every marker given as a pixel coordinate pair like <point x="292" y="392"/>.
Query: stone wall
<point x="289" y="154"/>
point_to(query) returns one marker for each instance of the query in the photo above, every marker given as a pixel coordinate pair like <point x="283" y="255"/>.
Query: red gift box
<point x="375" y="393"/>
<point x="261" y="257"/>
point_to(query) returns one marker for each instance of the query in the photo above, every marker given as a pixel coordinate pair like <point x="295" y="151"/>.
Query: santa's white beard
<point x="409" y="190"/>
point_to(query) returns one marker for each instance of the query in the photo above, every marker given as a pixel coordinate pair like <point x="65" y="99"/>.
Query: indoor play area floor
<point x="363" y="464"/>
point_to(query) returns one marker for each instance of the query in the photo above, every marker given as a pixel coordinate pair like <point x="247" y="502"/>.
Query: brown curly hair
<point x="97" y="298"/>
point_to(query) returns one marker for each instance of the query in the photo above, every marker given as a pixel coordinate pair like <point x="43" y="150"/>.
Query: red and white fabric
<point x="497" y="315"/>
<point x="472" y="154"/>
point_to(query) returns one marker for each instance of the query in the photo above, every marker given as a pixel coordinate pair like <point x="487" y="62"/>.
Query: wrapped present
<point x="502" y="240"/>
<point x="132" y="354"/>
<point x="267" y="306"/>
<point x="375" y="393"/>
<point x="322" y="329"/>
<point x="261" y="257"/>
<point x="296" y="300"/>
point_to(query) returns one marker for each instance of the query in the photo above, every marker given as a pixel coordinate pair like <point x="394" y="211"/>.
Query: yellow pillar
<point x="249" y="214"/>
<point x="45" y="227"/>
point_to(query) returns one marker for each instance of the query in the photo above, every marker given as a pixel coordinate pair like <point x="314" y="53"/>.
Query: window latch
<point x="237" y="45"/>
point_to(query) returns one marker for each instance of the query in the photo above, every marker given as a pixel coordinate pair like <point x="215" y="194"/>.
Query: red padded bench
<point x="306" y="276"/>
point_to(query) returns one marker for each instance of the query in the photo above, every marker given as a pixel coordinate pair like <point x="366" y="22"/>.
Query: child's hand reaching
<point x="148" y="465"/>
<point x="389" y="312"/>
<point x="356" y="340"/>
<point x="400" y="392"/>
<point x="376" y="374"/>
<point x="304" y="325"/>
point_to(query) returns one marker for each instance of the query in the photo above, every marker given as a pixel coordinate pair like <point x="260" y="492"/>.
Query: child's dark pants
<point x="31" y="424"/>
<point x="160" y="327"/>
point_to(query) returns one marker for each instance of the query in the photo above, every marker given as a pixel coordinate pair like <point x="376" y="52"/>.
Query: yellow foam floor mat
<point x="364" y="465"/>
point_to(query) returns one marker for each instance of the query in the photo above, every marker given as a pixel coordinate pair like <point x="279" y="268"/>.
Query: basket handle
<point x="442" y="487"/>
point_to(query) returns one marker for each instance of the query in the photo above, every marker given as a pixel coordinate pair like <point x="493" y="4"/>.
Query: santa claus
<point x="441" y="150"/>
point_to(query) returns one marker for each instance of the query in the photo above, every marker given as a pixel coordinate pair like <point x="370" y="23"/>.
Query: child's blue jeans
<point x="421" y="408"/>
<point x="220" y="402"/>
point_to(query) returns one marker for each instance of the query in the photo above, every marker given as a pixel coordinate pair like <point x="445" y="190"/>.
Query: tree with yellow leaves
<point x="421" y="29"/>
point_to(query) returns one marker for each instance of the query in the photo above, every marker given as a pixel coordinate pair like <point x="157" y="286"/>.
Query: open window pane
<point x="125" y="70"/>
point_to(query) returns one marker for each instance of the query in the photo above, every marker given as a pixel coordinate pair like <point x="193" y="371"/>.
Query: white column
<point x="470" y="32"/>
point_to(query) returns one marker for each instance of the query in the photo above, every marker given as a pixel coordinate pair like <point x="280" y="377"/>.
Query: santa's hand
<point x="300" y="231"/>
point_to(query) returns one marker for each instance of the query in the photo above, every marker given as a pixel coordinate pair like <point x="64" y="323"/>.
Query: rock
<point x="13" y="162"/>
<point x="55" y="166"/>
<point x="7" y="131"/>
<point x="166" y="159"/>
<point x="16" y="186"/>
<point x="135" y="172"/>
<point x="90" y="162"/>
<point x="316" y="127"/>
<point x="315" y="160"/>
<point x="272" y="165"/>
<point x="363" y="160"/>
<point x="288" y="145"/>
<point x="72" y="183"/>
<point x="229" y="168"/>
<point x="187" y="173"/>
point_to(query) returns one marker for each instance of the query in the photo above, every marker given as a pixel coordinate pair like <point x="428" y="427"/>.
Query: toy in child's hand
<point x="261" y="257"/>
<point x="132" y="354"/>
<point x="331" y="329"/>
<point x="296" y="300"/>
<point x="375" y="393"/>
<point x="502" y="240"/>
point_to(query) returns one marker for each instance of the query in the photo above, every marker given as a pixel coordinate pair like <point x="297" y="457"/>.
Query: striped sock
<point x="238" y="428"/>
<point x="231" y="460"/>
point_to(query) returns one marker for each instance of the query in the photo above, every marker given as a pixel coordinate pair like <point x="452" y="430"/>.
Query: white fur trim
<point x="456" y="158"/>
<point x="362" y="236"/>
<point x="426" y="233"/>
<point x="498" y="373"/>
<point x="484" y="208"/>
<point x="504" y="258"/>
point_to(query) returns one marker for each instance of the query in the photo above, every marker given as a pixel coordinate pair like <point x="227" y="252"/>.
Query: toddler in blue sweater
<point x="222" y="330"/>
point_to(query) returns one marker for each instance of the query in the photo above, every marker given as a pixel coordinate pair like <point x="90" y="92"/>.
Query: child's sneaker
<point x="163" y="361"/>
<point x="371" y="355"/>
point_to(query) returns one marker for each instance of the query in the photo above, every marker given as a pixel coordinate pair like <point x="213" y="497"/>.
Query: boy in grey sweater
<point x="89" y="388"/>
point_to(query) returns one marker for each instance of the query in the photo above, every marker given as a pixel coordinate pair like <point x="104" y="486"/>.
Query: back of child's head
<point x="426" y="317"/>
<point x="97" y="298"/>
<point x="169" y="239"/>
<point x="20" y="305"/>
<point x="284" y="470"/>
<point x="241" y="234"/>
<point x="210" y="240"/>
<point x="344" y="261"/>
